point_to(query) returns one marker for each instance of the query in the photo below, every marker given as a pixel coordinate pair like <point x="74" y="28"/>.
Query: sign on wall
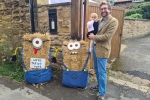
<point x="38" y="63"/>
<point x="58" y="1"/>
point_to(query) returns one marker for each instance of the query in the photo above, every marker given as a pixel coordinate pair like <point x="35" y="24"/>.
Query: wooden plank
<point x="80" y="18"/>
<point x="75" y="16"/>
<point x="116" y="40"/>
<point x="123" y="11"/>
<point x="86" y="18"/>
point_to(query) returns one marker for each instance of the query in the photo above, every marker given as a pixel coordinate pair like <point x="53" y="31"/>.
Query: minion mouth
<point x="36" y="50"/>
<point x="74" y="53"/>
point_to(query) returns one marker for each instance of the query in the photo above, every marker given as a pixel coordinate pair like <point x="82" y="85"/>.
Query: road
<point x="11" y="90"/>
<point x="135" y="59"/>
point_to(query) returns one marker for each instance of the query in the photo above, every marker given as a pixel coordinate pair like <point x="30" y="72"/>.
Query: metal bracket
<point x="120" y="34"/>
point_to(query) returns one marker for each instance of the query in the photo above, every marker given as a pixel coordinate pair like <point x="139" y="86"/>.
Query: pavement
<point x="123" y="83"/>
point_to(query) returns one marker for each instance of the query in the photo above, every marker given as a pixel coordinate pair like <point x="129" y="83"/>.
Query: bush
<point x="12" y="71"/>
<point x="133" y="11"/>
<point x="146" y="11"/>
<point x="142" y="9"/>
<point x="138" y="16"/>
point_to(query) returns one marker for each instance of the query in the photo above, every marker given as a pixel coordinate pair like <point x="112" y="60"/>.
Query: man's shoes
<point x="94" y="87"/>
<point x="100" y="98"/>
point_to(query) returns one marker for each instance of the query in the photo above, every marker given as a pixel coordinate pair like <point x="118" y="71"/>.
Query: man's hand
<point x="91" y="36"/>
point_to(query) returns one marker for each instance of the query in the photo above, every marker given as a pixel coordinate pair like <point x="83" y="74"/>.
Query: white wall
<point x="62" y="1"/>
<point x="137" y="0"/>
<point x="58" y="1"/>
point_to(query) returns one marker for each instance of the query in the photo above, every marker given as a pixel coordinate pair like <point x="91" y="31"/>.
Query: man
<point x="102" y="47"/>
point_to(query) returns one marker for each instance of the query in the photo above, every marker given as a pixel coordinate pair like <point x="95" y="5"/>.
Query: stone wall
<point x="14" y="21"/>
<point x="42" y="2"/>
<point x="127" y="5"/>
<point x="63" y="21"/>
<point x="135" y="28"/>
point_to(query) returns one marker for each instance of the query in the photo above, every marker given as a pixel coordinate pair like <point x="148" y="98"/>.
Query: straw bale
<point x="43" y="52"/>
<point x="76" y="62"/>
<point x="36" y="35"/>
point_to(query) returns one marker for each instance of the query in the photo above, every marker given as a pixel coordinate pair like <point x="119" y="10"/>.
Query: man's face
<point x="104" y="10"/>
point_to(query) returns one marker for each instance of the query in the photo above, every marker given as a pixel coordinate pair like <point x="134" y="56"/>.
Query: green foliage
<point x="138" y="16"/>
<point x="133" y="11"/>
<point x="12" y="71"/>
<point x="146" y="11"/>
<point x="142" y="9"/>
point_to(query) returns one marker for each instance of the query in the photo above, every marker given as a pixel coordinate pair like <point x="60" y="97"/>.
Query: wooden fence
<point x="83" y="10"/>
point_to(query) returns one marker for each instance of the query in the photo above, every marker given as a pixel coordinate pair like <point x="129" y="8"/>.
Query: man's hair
<point x="105" y="3"/>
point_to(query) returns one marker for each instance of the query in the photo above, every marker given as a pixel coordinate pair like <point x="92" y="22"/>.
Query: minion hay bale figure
<point x="76" y="64"/>
<point x="36" y="63"/>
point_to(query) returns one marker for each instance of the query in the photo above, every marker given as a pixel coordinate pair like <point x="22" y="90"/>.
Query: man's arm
<point x="109" y="33"/>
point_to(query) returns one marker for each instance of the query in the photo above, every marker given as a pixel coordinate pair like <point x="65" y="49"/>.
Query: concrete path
<point x="21" y="93"/>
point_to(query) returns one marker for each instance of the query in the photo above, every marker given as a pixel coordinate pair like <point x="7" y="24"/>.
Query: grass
<point x="12" y="71"/>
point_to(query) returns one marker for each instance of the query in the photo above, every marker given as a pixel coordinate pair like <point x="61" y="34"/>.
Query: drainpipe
<point x="32" y="16"/>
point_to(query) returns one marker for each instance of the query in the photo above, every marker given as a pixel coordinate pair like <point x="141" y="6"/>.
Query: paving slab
<point x="20" y="94"/>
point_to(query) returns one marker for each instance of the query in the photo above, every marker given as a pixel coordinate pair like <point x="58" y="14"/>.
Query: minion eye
<point x="70" y="46"/>
<point x="77" y="45"/>
<point x="37" y="42"/>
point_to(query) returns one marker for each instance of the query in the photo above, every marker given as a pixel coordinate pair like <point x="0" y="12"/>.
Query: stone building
<point x="128" y="4"/>
<point x="15" y="20"/>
